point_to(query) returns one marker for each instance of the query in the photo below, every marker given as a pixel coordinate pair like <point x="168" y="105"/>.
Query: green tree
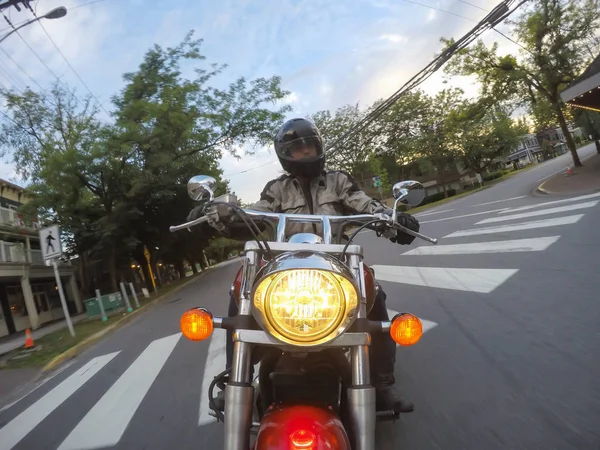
<point x="353" y="152"/>
<point x="555" y="35"/>
<point x="117" y="188"/>
<point x="481" y="131"/>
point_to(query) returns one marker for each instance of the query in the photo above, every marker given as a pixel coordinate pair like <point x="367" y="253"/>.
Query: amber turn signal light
<point x="196" y="324"/>
<point x="406" y="329"/>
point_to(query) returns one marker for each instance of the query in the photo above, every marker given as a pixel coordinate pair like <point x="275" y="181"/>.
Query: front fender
<point x="301" y="427"/>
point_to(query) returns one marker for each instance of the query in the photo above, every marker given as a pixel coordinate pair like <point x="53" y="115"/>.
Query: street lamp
<point x="55" y="13"/>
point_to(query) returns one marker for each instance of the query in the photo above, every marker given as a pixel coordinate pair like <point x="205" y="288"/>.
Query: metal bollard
<point x="124" y="294"/>
<point x="137" y="303"/>
<point x="99" y="300"/>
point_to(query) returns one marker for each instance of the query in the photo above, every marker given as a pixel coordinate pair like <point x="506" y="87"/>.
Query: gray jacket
<point x="333" y="193"/>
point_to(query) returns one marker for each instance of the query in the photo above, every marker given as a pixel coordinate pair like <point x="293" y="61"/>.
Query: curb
<point x="73" y="351"/>
<point x="540" y="189"/>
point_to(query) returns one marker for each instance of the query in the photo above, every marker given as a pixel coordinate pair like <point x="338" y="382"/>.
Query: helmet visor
<point x="300" y="149"/>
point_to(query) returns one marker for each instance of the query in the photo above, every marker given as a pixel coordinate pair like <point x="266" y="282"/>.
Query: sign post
<point x="147" y="255"/>
<point x="51" y="251"/>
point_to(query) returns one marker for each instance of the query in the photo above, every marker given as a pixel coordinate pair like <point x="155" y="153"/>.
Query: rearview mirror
<point x="409" y="192"/>
<point x="201" y="187"/>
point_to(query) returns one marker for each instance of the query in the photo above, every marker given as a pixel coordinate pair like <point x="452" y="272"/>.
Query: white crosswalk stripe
<point x="531" y="225"/>
<point x="554" y="202"/>
<point x="469" y="280"/>
<point x="105" y="423"/>
<point x="12" y="433"/>
<point x="543" y="212"/>
<point x="516" y="245"/>
<point x="215" y="364"/>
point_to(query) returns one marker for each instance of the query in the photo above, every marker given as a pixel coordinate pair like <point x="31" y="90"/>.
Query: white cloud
<point x="393" y="38"/>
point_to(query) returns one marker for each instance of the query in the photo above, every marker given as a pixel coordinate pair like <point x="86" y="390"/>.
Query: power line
<point x="474" y="6"/>
<point x="30" y="48"/>
<point x="70" y="66"/>
<point x="495" y="17"/>
<point x="70" y="9"/>
<point x="438" y="9"/>
<point x="20" y="68"/>
<point x="251" y="169"/>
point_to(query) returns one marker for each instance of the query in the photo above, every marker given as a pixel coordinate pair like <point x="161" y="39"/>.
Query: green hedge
<point x="438" y="196"/>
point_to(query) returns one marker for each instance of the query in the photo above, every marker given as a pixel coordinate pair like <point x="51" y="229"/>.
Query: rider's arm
<point x="270" y="198"/>
<point x="353" y="198"/>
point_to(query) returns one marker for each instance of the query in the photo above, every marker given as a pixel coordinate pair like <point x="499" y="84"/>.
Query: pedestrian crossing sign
<point x="50" y="242"/>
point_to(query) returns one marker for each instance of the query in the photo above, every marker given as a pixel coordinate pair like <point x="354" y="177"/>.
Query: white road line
<point x="518" y="245"/>
<point x="469" y="280"/>
<point x="430" y="213"/>
<point x="215" y="364"/>
<point x="498" y="201"/>
<point x="21" y="425"/>
<point x="543" y="212"/>
<point x="555" y="202"/>
<point x="568" y="220"/>
<point x="464" y="215"/>
<point x="40" y="384"/>
<point x="106" y="422"/>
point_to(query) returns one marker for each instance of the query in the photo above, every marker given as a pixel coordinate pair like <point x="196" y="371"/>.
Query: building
<point x="527" y="150"/>
<point x="584" y="92"/>
<point x="28" y="292"/>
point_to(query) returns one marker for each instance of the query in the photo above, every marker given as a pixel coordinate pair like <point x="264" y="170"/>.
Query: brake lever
<point x="415" y="234"/>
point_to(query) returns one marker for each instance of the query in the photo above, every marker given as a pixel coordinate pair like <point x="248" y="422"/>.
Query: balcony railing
<point x="12" y="218"/>
<point x="16" y="252"/>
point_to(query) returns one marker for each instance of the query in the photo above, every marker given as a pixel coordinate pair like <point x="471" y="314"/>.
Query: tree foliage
<point x="554" y="35"/>
<point x="117" y="187"/>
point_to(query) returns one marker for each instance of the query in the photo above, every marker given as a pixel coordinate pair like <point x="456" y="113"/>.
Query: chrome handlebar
<point x="325" y="221"/>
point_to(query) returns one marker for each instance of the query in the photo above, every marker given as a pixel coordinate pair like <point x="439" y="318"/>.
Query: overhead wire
<point x="496" y="16"/>
<point x="70" y="66"/>
<point x="30" y="48"/>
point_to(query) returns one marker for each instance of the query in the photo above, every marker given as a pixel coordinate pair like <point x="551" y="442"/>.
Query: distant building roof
<point x="11" y="185"/>
<point x="584" y="92"/>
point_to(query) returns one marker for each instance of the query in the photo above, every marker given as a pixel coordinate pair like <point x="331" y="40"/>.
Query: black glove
<point x="407" y="221"/>
<point x="195" y="213"/>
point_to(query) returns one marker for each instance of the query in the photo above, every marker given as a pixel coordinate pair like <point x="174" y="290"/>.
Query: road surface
<point x="510" y="359"/>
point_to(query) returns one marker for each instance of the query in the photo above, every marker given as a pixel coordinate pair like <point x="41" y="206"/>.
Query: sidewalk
<point x="584" y="179"/>
<point x="9" y="343"/>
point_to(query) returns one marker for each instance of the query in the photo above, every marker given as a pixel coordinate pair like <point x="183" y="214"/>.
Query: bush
<point x="437" y="197"/>
<point x="493" y="175"/>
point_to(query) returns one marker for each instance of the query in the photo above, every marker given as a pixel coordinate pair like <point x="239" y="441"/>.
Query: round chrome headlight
<point x="306" y="306"/>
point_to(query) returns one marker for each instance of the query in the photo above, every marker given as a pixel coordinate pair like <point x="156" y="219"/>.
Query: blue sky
<point x="328" y="52"/>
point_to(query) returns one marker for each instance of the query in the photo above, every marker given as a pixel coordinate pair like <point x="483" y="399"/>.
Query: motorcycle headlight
<point x="305" y="306"/>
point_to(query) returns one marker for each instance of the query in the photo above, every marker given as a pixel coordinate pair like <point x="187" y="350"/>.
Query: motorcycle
<point x="303" y="306"/>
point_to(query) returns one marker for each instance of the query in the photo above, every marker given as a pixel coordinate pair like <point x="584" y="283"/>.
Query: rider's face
<point x="304" y="151"/>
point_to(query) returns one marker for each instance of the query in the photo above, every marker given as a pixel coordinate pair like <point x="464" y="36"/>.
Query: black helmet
<point x="293" y="135"/>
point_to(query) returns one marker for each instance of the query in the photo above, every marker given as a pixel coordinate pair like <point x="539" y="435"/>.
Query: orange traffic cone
<point x="28" y="339"/>
<point x="569" y="170"/>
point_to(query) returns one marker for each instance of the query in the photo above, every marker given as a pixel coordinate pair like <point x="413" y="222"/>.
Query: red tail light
<point x="301" y="428"/>
<point x="302" y="439"/>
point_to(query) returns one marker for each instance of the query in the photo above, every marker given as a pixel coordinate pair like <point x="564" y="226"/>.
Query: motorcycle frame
<point x="239" y="392"/>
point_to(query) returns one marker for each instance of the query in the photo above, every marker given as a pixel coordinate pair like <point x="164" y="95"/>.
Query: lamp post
<point x="55" y="13"/>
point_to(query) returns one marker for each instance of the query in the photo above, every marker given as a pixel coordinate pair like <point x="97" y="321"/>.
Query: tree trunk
<point x="201" y="258"/>
<point x="568" y="137"/>
<point x="179" y="267"/>
<point x="597" y="146"/>
<point x="112" y="267"/>
<point x="192" y="262"/>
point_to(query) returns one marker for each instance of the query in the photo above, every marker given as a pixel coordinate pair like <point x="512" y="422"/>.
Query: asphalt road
<point x="510" y="359"/>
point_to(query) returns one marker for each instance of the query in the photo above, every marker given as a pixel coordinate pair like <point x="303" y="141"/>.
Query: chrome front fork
<point x="361" y="395"/>
<point x="239" y="392"/>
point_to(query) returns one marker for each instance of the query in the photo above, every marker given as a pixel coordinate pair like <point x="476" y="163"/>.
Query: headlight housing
<point x="305" y="299"/>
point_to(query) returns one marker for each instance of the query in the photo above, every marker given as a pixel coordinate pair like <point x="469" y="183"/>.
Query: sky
<point x="329" y="53"/>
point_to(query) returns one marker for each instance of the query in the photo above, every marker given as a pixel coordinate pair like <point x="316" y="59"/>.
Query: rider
<point x="308" y="188"/>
